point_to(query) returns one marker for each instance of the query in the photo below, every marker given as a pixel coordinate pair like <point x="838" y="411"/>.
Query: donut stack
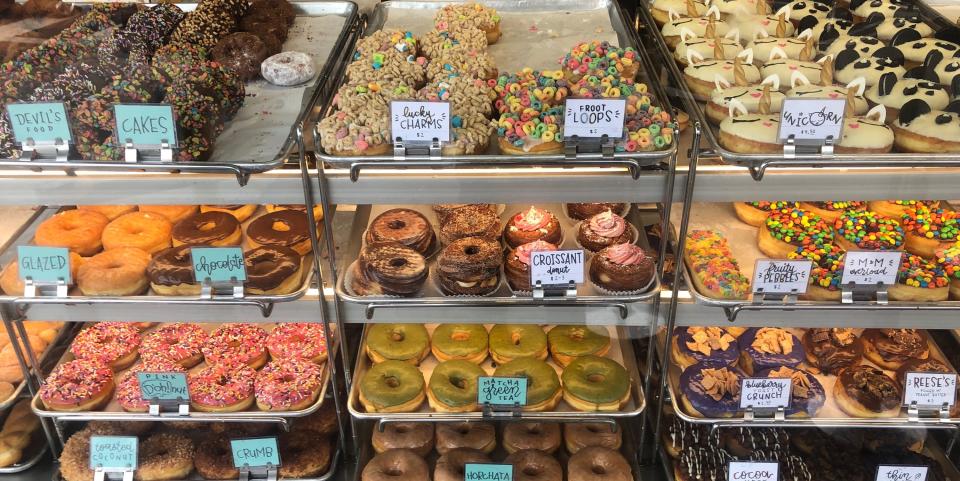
<point x="264" y="29"/>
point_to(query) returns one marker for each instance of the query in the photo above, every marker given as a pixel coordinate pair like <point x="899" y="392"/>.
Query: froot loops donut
<point x="111" y="343"/>
<point x="128" y="388"/>
<point x="865" y="229"/>
<point x="303" y="340"/>
<point x="826" y="272"/>
<point x="180" y="343"/>
<point x="225" y="387"/>
<point x="929" y="229"/>
<point x="288" y="384"/>
<point x="599" y="58"/>
<point x="80" y="385"/>
<point x="786" y="230"/>
<point x="531" y="111"/>
<point x="920" y="280"/>
<point x="241" y="343"/>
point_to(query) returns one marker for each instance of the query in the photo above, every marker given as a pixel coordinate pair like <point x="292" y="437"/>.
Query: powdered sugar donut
<point x="288" y="68"/>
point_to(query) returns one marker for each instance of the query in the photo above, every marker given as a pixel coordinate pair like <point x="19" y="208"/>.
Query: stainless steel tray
<point x="550" y="25"/>
<point x="32" y="454"/>
<point x="47" y="360"/>
<point x="263" y="135"/>
<point x="431" y="295"/>
<point x="621" y="350"/>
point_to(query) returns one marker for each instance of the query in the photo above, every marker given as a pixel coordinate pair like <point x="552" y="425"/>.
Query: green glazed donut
<point x="593" y="383"/>
<point x="543" y="385"/>
<point x="569" y="342"/>
<point x="392" y="387"/>
<point x="453" y="386"/>
<point x="398" y="342"/>
<point x="460" y="341"/>
<point x="513" y="341"/>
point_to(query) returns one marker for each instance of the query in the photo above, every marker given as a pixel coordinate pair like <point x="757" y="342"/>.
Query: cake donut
<point x="849" y="65"/>
<point x="768" y="348"/>
<point x="600" y="464"/>
<point x="395" y="463"/>
<point x="403" y="226"/>
<point x="706" y="345"/>
<point x="832" y="349"/>
<point x="214" y="458"/>
<point x="116" y="272"/>
<point x="594" y="383"/>
<point x="453" y="386"/>
<point x="701" y="74"/>
<point x="304" y="340"/>
<point x="807" y="395"/>
<point x="715" y="270"/>
<point x="224" y="387"/>
<point x="920" y="280"/>
<point x="79" y="385"/>
<point x="288" y="384"/>
<point x="78" y="230"/>
<point x="474" y="435"/>
<point x="534" y="465"/>
<point x="867" y="392"/>
<point x="751" y="96"/>
<point x="180" y="343"/>
<point x="409" y="343"/>
<point x="825" y="273"/>
<point x="889" y="348"/>
<point x="929" y="230"/>
<point x="786" y="230"/>
<point x="866" y="230"/>
<point x="470" y="221"/>
<point x="112" y="343"/>
<point x="920" y="128"/>
<point x="288" y="68"/>
<point x="236" y="343"/>
<point x="711" y="391"/>
<point x="417" y="437"/>
<point x="577" y="436"/>
<point x="544" y="437"/>
<point x="388" y="269"/>
<point x="514" y="341"/>
<point x="392" y="387"/>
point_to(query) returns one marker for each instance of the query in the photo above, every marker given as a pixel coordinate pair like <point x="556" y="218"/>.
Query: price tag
<point x="753" y="471"/>
<point x="113" y="453"/>
<point x="41" y="121"/>
<point x="502" y="390"/>
<point x="163" y="386"/>
<point x="219" y="264"/>
<point x="931" y="389"/>
<point x="901" y="473"/>
<point x="556" y="267"/>
<point x="145" y="125"/>
<point x="43" y="264"/>
<point x="811" y="120"/>
<point x="420" y="121"/>
<point x="765" y="392"/>
<point x="594" y="118"/>
<point x="255" y="452"/>
<point x="780" y="276"/>
<point x="871" y="267"/>
<point x="487" y="472"/>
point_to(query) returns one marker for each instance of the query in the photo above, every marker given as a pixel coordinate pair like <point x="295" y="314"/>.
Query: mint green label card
<point x="502" y="390"/>
<point x="487" y="472"/>
<point x="43" y="264"/>
<point x="163" y="386"/>
<point x="40" y="121"/>
<point x="145" y="124"/>
<point x="219" y="264"/>
<point x="113" y="453"/>
<point x="255" y="452"/>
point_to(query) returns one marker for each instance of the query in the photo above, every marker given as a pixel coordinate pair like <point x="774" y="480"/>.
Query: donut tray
<point x="621" y="351"/>
<point x="114" y="412"/>
<point x="828" y="416"/>
<point x="46" y="360"/>
<point x="587" y="293"/>
<point x="32" y="455"/>
<point x="24" y="236"/>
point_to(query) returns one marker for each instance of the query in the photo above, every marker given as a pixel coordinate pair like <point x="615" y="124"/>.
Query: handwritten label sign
<point x="556" y="267"/>
<point x="420" y="121"/>
<point x="163" y="386"/>
<point x="753" y="471"/>
<point x="487" y="472"/>
<point x="255" y="452"/>
<point x="871" y="267"/>
<point x="502" y="390"/>
<point x="594" y="117"/>
<point x="219" y="264"/>
<point x="930" y="389"/>
<point x="145" y="124"/>
<point x="765" y="392"/>
<point x="43" y="264"/>
<point x="781" y="276"/>
<point x="113" y="453"/>
<point x="40" y="121"/>
<point x="901" y="473"/>
<point x="811" y="120"/>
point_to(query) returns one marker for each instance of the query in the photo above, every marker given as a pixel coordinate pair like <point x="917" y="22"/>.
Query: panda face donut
<point x="863" y="8"/>
<point x="864" y="46"/>
<point x="802" y="8"/>
<point x="849" y="66"/>
<point x="889" y="27"/>
<point x="894" y="93"/>
<point x="818" y="26"/>
<point x="917" y="50"/>
<point x="917" y="117"/>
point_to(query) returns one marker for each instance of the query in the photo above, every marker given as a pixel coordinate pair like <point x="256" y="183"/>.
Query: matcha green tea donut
<point x="392" y="387"/>
<point x="513" y="341"/>
<point x="453" y="386"/>
<point x="398" y="342"/>
<point x="466" y="342"/>
<point x="593" y="383"/>
<point x="569" y="342"/>
<point x="543" y="385"/>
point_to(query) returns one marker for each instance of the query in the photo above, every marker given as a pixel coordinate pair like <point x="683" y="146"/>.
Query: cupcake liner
<point x="589" y="253"/>
<point x="433" y="278"/>
<point x="571" y="219"/>
<point x="348" y="282"/>
<point x="608" y="292"/>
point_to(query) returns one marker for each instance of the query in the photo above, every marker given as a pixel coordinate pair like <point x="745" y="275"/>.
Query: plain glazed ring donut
<point x="112" y="343"/>
<point x="110" y="211"/>
<point x="541" y="436"/>
<point x="144" y="230"/>
<point x="303" y="455"/>
<point x="288" y="68"/>
<point x="173" y="213"/>
<point x="212" y="228"/>
<point x="450" y="466"/>
<point x="116" y="272"/>
<point x="272" y="270"/>
<point x="417" y="437"/>
<point x="577" y="436"/>
<point x="214" y="458"/>
<point x="77" y="230"/>
<point x="390" y="466"/>
<point x="12" y="285"/>
<point x="78" y="386"/>
<point x="595" y="463"/>
<point x="165" y="456"/>
<point x="288" y="384"/>
<point x="534" y="465"/>
<point x="480" y="436"/>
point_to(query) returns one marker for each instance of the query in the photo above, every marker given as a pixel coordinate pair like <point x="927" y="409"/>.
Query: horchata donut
<point x="12" y="285"/>
<point x="180" y="343"/>
<point x="543" y="385"/>
<point x="577" y="436"/>
<point x="164" y="456"/>
<point x="569" y="342"/>
<point x="417" y="437"/>
<point x="78" y="230"/>
<point x="112" y="343"/>
<point x="451" y="465"/>
<point x="303" y="340"/>
<point x="173" y="213"/>
<point x="392" y="387"/>
<point x="593" y="383"/>
<point x="213" y="228"/>
<point x="540" y="436"/>
<point x="482" y="436"/>
<point x="534" y="465"/>
<point x="224" y="387"/>
<point x="403" y="226"/>
<point x="80" y="385"/>
<point x="241" y="211"/>
<point x="513" y="341"/>
<point x="171" y="272"/>
<point x="110" y="211"/>
<point x="144" y="230"/>
<point x="241" y="52"/>
<point x="214" y="458"/>
<point x="285" y="228"/>
<point x="116" y="272"/>
<point x="394" y="464"/>
<point x="129" y="395"/>
<point x="597" y="463"/>
<point x="466" y="342"/>
<point x="304" y="455"/>
<point x="398" y="342"/>
<point x="290" y="384"/>
<point x="288" y="68"/>
<point x="236" y="342"/>
<point x="272" y="270"/>
<point x="453" y="386"/>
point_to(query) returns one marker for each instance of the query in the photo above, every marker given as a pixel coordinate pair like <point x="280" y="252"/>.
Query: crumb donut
<point x="540" y="436"/>
<point x="214" y="458"/>
<point x="164" y="456"/>
<point x="75" y="458"/>
<point x="116" y="272"/>
<point x="303" y="455"/>
<point x="242" y="52"/>
<point x="80" y="385"/>
<point x="395" y="463"/>
<point x="323" y="421"/>
<point x="577" y="436"/>
<point x="112" y="343"/>
<point x="595" y="463"/>
<point x="147" y="231"/>
<point x="77" y="230"/>
<point x="476" y="435"/>
<point x="288" y="68"/>
<point x="417" y="437"/>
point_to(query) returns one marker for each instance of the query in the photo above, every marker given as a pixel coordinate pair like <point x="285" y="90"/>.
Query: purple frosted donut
<point x="711" y="403"/>
<point x="685" y="338"/>
<point x="807" y="398"/>
<point x="768" y="347"/>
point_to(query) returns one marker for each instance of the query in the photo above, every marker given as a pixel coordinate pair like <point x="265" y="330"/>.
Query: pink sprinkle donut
<point x="232" y="343"/>
<point x="225" y="387"/>
<point x="180" y="343"/>
<point x="287" y="385"/>
<point x="111" y="343"/>
<point x="80" y="385"/>
<point x="304" y="340"/>
<point x="128" y="389"/>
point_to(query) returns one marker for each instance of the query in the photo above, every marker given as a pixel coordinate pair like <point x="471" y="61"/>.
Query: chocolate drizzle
<point x="870" y="387"/>
<point x="898" y="345"/>
<point x="833" y="348"/>
<point x="268" y="266"/>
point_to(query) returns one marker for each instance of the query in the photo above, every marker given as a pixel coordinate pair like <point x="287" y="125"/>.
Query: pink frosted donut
<point x="298" y="339"/>
<point x="112" y="343"/>
<point x="287" y="385"/>
<point x="236" y="343"/>
<point x="225" y="387"/>
<point x="180" y="343"/>
<point x="128" y="389"/>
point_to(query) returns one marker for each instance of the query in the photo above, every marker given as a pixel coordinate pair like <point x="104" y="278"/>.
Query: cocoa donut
<point x="241" y="52"/>
<point x="596" y="463"/>
<point x="271" y="270"/>
<point x="577" y="436"/>
<point x="541" y="436"/>
<point x="396" y="464"/>
<point x="404" y="226"/>
<point x="304" y="455"/>
<point x="534" y="465"/>
<point x="214" y="458"/>
<point x="417" y="437"/>
<point x="285" y="228"/>
<point x="470" y="221"/>
<point x="480" y="436"/>
<point x="276" y="10"/>
<point x="213" y="228"/>
<point x="450" y="466"/>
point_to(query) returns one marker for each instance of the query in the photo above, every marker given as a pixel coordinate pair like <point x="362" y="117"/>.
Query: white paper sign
<point x="901" y="473"/>
<point x="871" y="267"/>
<point x="781" y="276"/>
<point x="930" y="389"/>
<point x="594" y="118"/>
<point x="556" y="267"/>
<point x="753" y="471"/>
<point x="420" y="121"/>
<point x="811" y="120"/>
<point x="765" y="392"/>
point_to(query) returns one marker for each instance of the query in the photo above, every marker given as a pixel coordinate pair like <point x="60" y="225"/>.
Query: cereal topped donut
<point x="465" y="94"/>
<point x="387" y="66"/>
<point x="531" y="111"/>
<point x="826" y="271"/>
<point x="362" y="131"/>
<point x="786" y="230"/>
<point x="468" y="62"/>
<point x="386" y="41"/>
<point x="455" y="17"/>
<point x="436" y="41"/>
<point x="599" y="59"/>
<point x="358" y="95"/>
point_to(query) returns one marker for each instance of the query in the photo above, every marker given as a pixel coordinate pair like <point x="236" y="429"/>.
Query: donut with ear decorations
<point x="919" y="128"/>
<point x="911" y="110"/>
<point x="807" y="22"/>
<point x="866" y="134"/>
<point x="904" y="36"/>
<point x="863" y="29"/>
<point x="893" y="92"/>
<point x="844" y="58"/>
<point x="886" y="83"/>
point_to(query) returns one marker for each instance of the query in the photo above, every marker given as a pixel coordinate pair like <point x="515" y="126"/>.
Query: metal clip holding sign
<point x="501" y="410"/>
<point x="575" y="144"/>
<point x="35" y="289"/>
<point x="31" y="149"/>
<point x="402" y="149"/>
<point x="248" y="473"/>
<point x="851" y="293"/>
<point x="568" y="291"/>
<point x="100" y="474"/>
<point x="761" y="297"/>
<point x="751" y="414"/>
<point x="131" y="152"/>
<point x="915" y="412"/>
<point x="232" y="287"/>
<point x="145" y="128"/>
<point x="790" y="147"/>
<point x="867" y="275"/>
<point x="219" y="270"/>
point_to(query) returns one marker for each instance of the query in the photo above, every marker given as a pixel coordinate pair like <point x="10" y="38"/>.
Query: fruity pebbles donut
<point x="236" y="343"/>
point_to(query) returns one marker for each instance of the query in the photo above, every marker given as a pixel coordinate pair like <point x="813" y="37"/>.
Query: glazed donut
<point x="109" y="211"/>
<point x="474" y="435"/>
<point x="173" y="213"/>
<point x="392" y="465"/>
<point x="147" y="231"/>
<point x="417" y="437"/>
<point x="225" y="387"/>
<point x="303" y="455"/>
<point x="460" y="342"/>
<point x="534" y="465"/>
<point x="171" y="272"/>
<point x="392" y="387"/>
<point x="117" y="272"/>
<point x="569" y="342"/>
<point x="323" y="421"/>
<point x="80" y="385"/>
<point x="288" y="68"/>
<point x="213" y="228"/>
<point x="21" y="418"/>
<point x="297" y="339"/>
<point x="214" y="458"/>
<point x="451" y="465"/>
<point x="77" y="230"/>
<point x="577" y="436"/>
<point x="241" y="52"/>
<point x="540" y="436"/>
<point x="272" y="270"/>
<point x="12" y="285"/>
<point x="403" y="226"/>
<point x="236" y="342"/>
<point x="129" y="395"/>
<point x="290" y="384"/>
<point x="285" y="228"/>
<point x="241" y="211"/>
<point x="164" y="456"/>
<point x="112" y="343"/>
<point x="180" y="343"/>
<point x="75" y="458"/>
<point x="595" y="463"/>
<point x="317" y="209"/>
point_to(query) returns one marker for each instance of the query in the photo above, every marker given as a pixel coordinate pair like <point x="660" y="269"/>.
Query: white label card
<point x="556" y="267"/>
<point x="901" y="473"/>
<point x="931" y="389"/>
<point x="811" y="120"/>
<point x="753" y="471"/>
<point x="420" y="121"/>
<point x="781" y="276"/>
<point x="765" y="392"/>
<point x="594" y="118"/>
<point x="871" y="267"/>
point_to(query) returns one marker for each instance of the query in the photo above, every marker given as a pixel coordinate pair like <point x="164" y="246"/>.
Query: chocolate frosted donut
<point x="584" y="211"/>
<point x="474" y="435"/>
<point x="470" y="266"/>
<point x="172" y="267"/>
<point x="450" y="466"/>
<point x="286" y="228"/>
<point x="415" y="436"/>
<point x="865" y="391"/>
<point x="404" y="226"/>
<point x="534" y="465"/>
<point x="271" y="268"/>
<point x="889" y="348"/>
<point x="443" y="211"/>
<point x="832" y="349"/>
<point x="402" y="464"/>
<point x="470" y="221"/>
<point x="208" y="228"/>
<point x="241" y="52"/>
<point x="577" y="436"/>
<point x="595" y="463"/>
<point x="389" y="269"/>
